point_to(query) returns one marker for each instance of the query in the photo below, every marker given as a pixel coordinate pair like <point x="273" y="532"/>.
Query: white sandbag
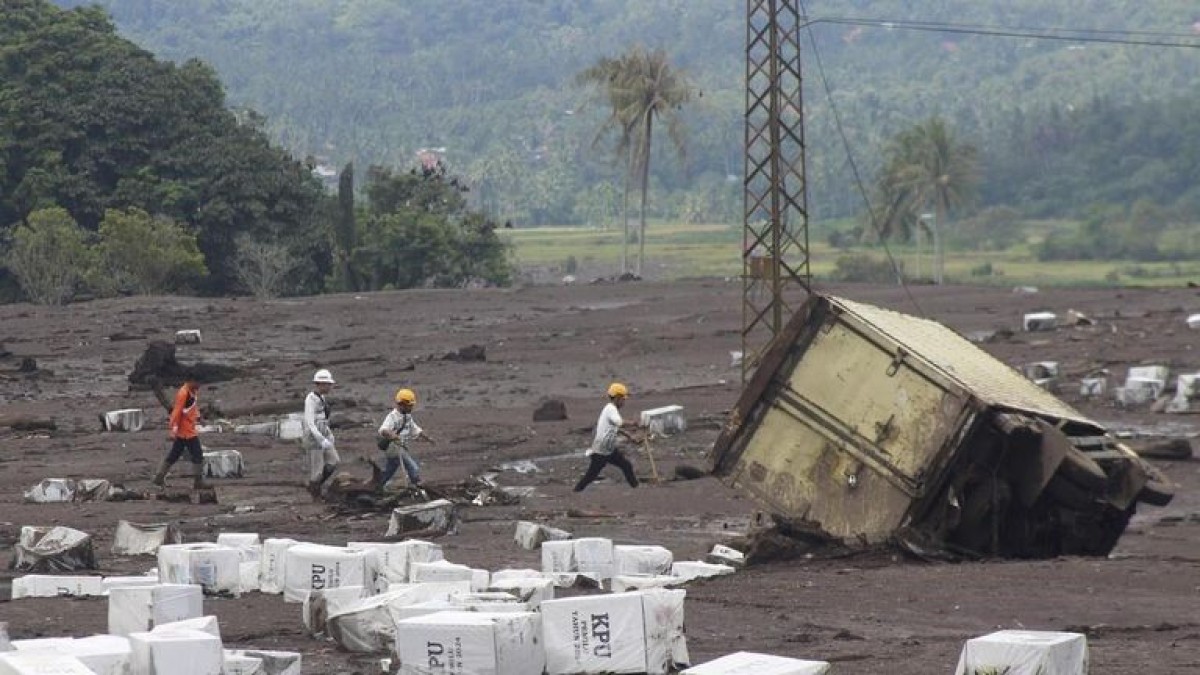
<point x="310" y="567"/>
<point x="642" y="559"/>
<point x="93" y="490"/>
<point x="125" y="582"/>
<point x="694" y="569"/>
<point x="223" y="464"/>
<point x="271" y="565"/>
<point x="258" y="429"/>
<point x="594" y="634"/>
<point x="594" y="558"/>
<point x="750" y="663"/>
<point x="102" y="654"/>
<point x="1023" y="652"/>
<point x="558" y="562"/>
<point x="41" y="663"/>
<point x="724" y="555"/>
<point x="41" y="643"/>
<point x="135" y="609"/>
<point x="432" y="590"/>
<point x="51" y="586"/>
<point x="290" y="428"/>
<point x="274" y="663"/>
<point x="391" y="560"/>
<point x="532" y="590"/>
<point x="59" y="549"/>
<point x="190" y="336"/>
<point x="470" y="642"/>
<point x="240" y="664"/>
<point x="509" y="574"/>
<point x="248" y="576"/>
<point x="143" y="538"/>
<point x="429" y="519"/>
<point x="30" y="534"/>
<point x="204" y="624"/>
<point x="369" y="625"/>
<point x="441" y="570"/>
<point x="1039" y="321"/>
<point x="528" y="535"/>
<point x="638" y="582"/>
<point x="181" y="652"/>
<point x="214" y="567"/>
<point x="666" y="645"/>
<point x="665" y="421"/>
<point x="246" y="543"/>
<point x="319" y="605"/>
<point x="51" y="491"/>
<point x="128" y="419"/>
<point x="489" y="601"/>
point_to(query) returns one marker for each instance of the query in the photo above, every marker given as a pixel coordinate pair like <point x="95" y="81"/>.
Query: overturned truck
<point x="868" y="427"/>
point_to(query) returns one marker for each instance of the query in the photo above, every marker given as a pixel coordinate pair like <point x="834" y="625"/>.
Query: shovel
<point x="650" y="456"/>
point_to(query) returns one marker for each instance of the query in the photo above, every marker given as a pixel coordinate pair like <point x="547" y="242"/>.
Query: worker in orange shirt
<point x="185" y="415"/>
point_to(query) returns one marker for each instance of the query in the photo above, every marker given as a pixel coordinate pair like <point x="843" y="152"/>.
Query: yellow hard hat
<point x="406" y="396"/>
<point x="617" y="389"/>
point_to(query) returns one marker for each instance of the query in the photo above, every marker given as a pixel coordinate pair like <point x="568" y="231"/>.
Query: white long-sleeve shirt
<point x="316" y="421"/>
<point x="401" y="424"/>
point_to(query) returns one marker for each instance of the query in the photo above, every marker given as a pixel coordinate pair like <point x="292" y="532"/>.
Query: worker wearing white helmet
<point x="318" y="439"/>
<point x="398" y="431"/>
<point x="609" y="428"/>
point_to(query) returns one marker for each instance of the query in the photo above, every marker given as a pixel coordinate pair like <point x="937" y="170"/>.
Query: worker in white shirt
<point x="398" y="431"/>
<point x="609" y="428"/>
<point x="317" y="440"/>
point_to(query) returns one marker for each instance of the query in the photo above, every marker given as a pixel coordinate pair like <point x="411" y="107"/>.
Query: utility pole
<point x="775" y="247"/>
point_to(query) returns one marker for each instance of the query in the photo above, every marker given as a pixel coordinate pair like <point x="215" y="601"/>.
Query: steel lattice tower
<point x="775" y="252"/>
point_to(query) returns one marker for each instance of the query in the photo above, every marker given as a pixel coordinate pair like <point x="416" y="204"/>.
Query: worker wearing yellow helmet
<point x="398" y="431"/>
<point x="609" y="428"/>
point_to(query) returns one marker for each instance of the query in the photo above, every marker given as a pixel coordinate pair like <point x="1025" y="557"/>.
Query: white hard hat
<point x="323" y="376"/>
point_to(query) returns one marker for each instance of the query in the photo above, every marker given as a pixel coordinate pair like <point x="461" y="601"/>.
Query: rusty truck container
<point x="869" y="425"/>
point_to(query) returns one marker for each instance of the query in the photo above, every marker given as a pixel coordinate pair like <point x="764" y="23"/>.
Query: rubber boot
<point x="160" y="478"/>
<point x="314" y="487"/>
<point x="198" y="482"/>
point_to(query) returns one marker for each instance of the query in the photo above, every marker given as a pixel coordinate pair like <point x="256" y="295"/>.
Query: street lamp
<point x="931" y="218"/>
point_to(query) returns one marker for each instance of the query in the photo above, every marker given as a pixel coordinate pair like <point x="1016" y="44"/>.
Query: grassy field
<point x="675" y="251"/>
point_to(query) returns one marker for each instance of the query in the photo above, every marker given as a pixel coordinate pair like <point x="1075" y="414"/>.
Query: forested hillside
<point x="1062" y="125"/>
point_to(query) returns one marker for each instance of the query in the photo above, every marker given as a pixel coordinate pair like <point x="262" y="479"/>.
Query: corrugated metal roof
<point x="990" y="379"/>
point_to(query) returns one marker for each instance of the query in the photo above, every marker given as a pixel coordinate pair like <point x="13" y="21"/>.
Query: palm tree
<point x="639" y="86"/>
<point x="926" y="168"/>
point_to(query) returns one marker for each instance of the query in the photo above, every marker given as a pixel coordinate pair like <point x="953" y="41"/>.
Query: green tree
<point x="49" y="256"/>
<point x="927" y="168"/>
<point x="418" y="231"/>
<point x="345" y="231"/>
<point x="147" y="254"/>
<point x="91" y="122"/>
<point x="639" y="87"/>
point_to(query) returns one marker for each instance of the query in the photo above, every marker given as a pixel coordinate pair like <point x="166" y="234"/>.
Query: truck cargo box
<point x="868" y="426"/>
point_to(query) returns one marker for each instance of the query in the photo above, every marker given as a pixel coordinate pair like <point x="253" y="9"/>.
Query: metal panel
<point x="973" y="369"/>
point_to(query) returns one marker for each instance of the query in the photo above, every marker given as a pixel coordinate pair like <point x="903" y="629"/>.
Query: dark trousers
<point x="617" y="459"/>
<point x="191" y="445"/>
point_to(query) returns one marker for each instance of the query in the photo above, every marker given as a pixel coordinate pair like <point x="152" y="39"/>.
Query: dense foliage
<point x="1060" y="125"/>
<point x="120" y="173"/>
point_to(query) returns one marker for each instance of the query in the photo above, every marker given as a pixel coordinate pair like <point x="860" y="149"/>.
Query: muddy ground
<point x="671" y="344"/>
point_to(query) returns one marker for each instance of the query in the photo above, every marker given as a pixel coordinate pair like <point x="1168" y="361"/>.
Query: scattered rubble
<point x="551" y="410"/>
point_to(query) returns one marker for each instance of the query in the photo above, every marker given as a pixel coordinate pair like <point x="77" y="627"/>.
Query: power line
<point x="1061" y="34"/>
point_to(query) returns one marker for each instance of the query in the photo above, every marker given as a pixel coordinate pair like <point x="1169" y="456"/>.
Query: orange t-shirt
<point x="185" y="414"/>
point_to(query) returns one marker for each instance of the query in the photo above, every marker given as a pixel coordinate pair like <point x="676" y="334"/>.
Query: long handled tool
<point x="650" y="456"/>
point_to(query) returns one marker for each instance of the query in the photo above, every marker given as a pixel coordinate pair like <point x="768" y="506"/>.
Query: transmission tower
<point x="775" y="270"/>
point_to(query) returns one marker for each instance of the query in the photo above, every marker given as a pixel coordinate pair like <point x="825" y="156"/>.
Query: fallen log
<point x="28" y="423"/>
